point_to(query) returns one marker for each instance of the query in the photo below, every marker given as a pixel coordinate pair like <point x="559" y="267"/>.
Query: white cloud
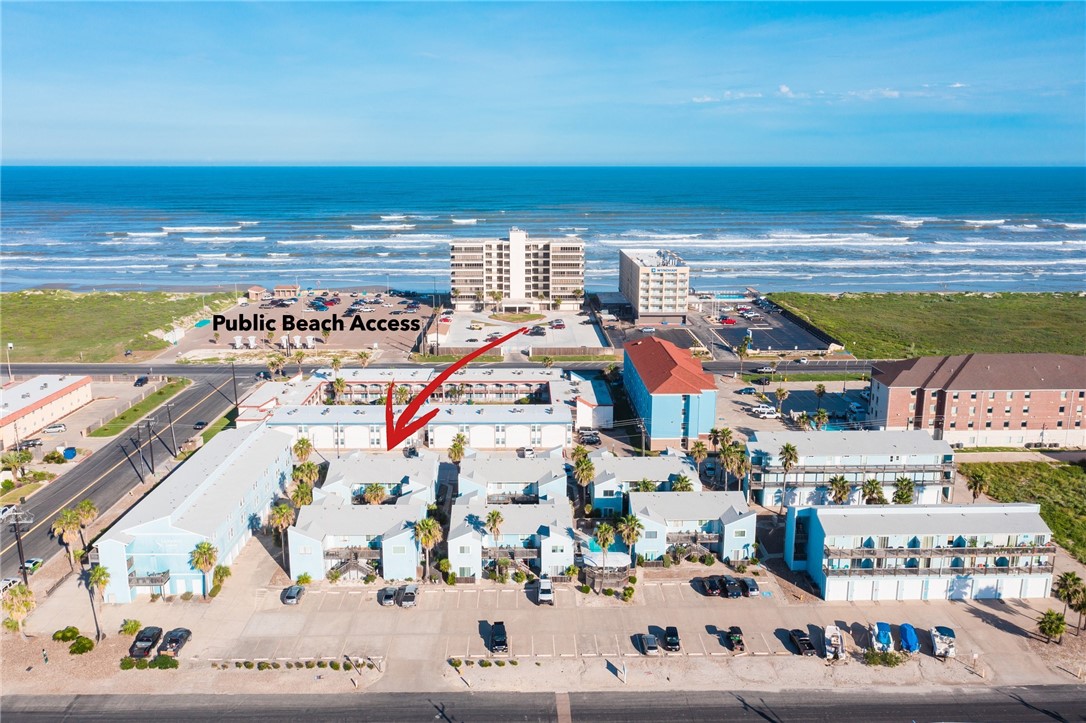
<point x="786" y="91"/>
<point x="875" y="93"/>
<point x="704" y="99"/>
<point x="740" y="94"/>
<point x="958" y="85"/>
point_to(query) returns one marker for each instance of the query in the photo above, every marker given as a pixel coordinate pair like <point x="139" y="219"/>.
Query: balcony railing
<point x="1037" y="569"/>
<point x="865" y="469"/>
<point x="904" y="552"/>
<point x="689" y="538"/>
<point x="510" y="553"/>
<point x="512" y="499"/>
<point x="352" y="553"/>
<point x="155" y="579"/>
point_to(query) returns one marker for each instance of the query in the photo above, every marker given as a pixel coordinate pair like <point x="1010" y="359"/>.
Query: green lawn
<point x="124" y="420"/>
<point x="219" y="425"/>
<point x="517" y="318"/>
<point x="55" y="325"/>
<point x="1060" y="489"/>
<point x="892" y="326"/>
<point x="449" y="358"/>
<point x="582" y="357"/>
<point x="12" y="497"/>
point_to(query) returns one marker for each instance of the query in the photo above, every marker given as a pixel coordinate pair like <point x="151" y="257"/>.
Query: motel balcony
<point x="155" y="579"/>
<point x="510" y="553"/>
<point x="1039" y="568"/>
<point x="352" y="553"/>
<point x="692" y="538"/>
<point x="832" y="553"/>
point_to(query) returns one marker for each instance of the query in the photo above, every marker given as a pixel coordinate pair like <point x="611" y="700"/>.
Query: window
<point x="1010" y="396"/>
<point x="955" y="395"/>
<point x="912" y="393"/>
<point x="1027" y="394"/>
<point x="991" y="395"/>
<point x="953" y="425"/>
<point x="987" y="425"/>
<point x="973" y="395"/>
<point x="912" y="407"/>
<point x="306" y="550"/>
<point x="934" y="394"/>
<point x="970" y="425"/>
<point x="990" y="411"/>
<point x="739" y="533"/>
<point x="1062" y="409"/>
<point x="465" y="549"/>
<point x="1025" y="410"/>
<point x="1006" y="425"/>
<point x="1024" y="424"/>
<point x="463" y="572"/>
<point x="608" y="493"/>
<point x="557" y="549"/>
<point x="1063" y="395"/>
<point x="651" y="534"/>
<point x="954" y="410"/>
<point x="399" y="549"/>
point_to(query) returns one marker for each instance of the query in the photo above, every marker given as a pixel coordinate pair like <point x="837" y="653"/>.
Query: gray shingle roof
<point x="985" y="372"/>
<point x="850" y="443"/>
<point x="865" y="520"/>
<point x="663" y="506"/>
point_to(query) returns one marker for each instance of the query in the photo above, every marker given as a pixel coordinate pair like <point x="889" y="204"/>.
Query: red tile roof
<point x="666" y="369"/>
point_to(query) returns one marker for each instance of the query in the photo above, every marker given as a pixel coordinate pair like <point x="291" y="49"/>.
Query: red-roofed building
<point x="673" y="395"/>
<point x="30" y="405"/>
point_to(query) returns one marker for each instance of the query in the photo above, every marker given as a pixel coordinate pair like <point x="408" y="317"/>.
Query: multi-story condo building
<point x="857" y="456"/>
<point x="717" y="522"/>
<point x="984" y="399"/>
<point x="28" y="406"/>
<point x="655" y="283"/>
<point x="673" y="396"/>
<point x="537" y="537"/>
<point x="517" y="273"/>
<point x="922" y="552"/>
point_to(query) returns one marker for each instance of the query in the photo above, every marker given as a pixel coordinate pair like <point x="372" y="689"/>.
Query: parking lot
<point x="734" y="410"/>
<point x="771" y="332"/>
<point x="576" y="333"/>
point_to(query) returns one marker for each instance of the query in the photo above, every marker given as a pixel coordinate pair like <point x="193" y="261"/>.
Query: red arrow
<point x="398" y="431"/>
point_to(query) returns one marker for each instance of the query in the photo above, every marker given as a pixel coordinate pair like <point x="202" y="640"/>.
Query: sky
<point x="733" y="84"/>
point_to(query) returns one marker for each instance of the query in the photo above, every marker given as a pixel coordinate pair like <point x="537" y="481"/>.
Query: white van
<point x="55" y="429"/>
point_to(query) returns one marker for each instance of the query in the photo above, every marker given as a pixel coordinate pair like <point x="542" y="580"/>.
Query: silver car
<point x="409" y="595"/>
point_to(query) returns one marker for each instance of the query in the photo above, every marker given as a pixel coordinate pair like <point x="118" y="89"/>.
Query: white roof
<point x="664" y="506"/>
<point x="388" y="468"/>
<point x="16" y="398"/>
<point x="204" y="490"/>
<point x="282" y="393"/>
<point x="633" y="469"/>
<point x="337" y="517"/>
<point x="931" y="519"/>
<point x="449" y="414"/>
<point x="651" y="258"/>
<point x="863" y="442"/>
<point x="423" y="375"/>
<point x="469" y="517"/>
<point x="484" y="468"/>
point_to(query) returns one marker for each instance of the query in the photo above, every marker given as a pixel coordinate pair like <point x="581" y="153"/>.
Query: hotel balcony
<point x="866" y="469"/>
<point x="1039" y="568"/>
<point x="877" y="553"/>
<point x="504" y="499"/>
<point x="510" y="553"/>
<point x="153" y="580"/>
<point x="690" y="538"/>
<point x="352" y="553"/>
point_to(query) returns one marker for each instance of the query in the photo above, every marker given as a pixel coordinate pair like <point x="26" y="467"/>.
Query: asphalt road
<point x="116" y="468"/>
<point x="1022" y="704"/>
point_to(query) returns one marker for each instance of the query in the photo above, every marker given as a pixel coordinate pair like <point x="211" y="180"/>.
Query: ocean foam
<point x="149" y="234"/>
<point x="465" y="221"/>
<point x="382" y="226"/>
<point x="200" y="229"/>
<point x="983" y="222"/>
<point x="248" y="223"/>
<point x="223" y="239"/>
<point x="394" y="217"/>
<point x="1075" y="226"/>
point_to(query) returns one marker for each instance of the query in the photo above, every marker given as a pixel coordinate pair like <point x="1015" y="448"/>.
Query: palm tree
<point x="339" y="388"/>
<point x="804" y="421"/>
<point x="428" y="534"/>
<point x="840" y="489"/>
<point x="203" y="558"/>
<point x="275" y="363"/>
<point x="629" y="528"/>
<point x="1068" y="587"/>
<point x="401" y="394"/>
<point x="584" y="471"/>
<point x="18" y="604"/>
<point x="65" y="526"/>
<point x="303" y="448"/>
<point x="298" y="358"/>
<point x="904" y="491"/>
<point x="820" y="391"/>
<point x="218" y="577"/>
<point x="14" y="463"/>
<point x="494" y="522"/>
<point x="699" y="452"/>
<point x="743" y="351"/>
<point x="87" y="512"/>
<point x="1079" y="606"/>
<point x="645" y="485"/>
<point x="97" y="581"/>
<point x="456" y="451"/>
<point x="547" y="362"/>
<point x="337" y="363"/>
<point x="821" y="418"/>
<point x="682" y="483"/>
<point x="605" y="535"/>
<point x="714" y="438"/>
<point x="871" y="491"/>
<point x="306" y="473"/>
<point x="977" y="483"/>
<point x="302" y="494"/>
<point x="282" y="517"/>
<point x="375" y="494"/>
<point x="781" y="395"/>
<point x="496" y="296"/>
<point x="362" y="357"/>
<point x="579" y="452"/>
<point x="789" y="457"/>
<point x="1051" y="625"/>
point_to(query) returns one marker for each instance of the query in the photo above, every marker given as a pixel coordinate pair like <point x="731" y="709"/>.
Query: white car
<point x="801" y="360"/>
<point x="367" y="309"/>
<point x="527" y="452"/>
<point x="648" y="330"/>
<point x="387" y="305"/>
<point x="763" y="408"/>
<point x="55" y="429"/>
<point x="7" y="583"/>
<point x="771" y="414"/>
<point x="6" y="510"/>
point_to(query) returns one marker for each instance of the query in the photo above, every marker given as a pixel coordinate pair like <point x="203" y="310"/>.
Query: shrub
<point x="633" y="579"/>
<point x="262" y="665"/>
<point x="627" y="594"/>
<point x="609" y="592"/>
<point x="641" y="560"/>
<point x="444" y="565"/>
<point x="348" y="666"/>
<point x="289" y="665"/>
<point x="237" y="663"/>
<point x="127" y="663"/>
<point x="81" y="645"/>
<point x="755" y="573"/>
<point x="131" y="627"/>
<point x="218" y="577"/>
<point x="519" y="576"/>
<point x="754" y="561"/>
<point x="499" y="663"/>
<point x="530" y="577"/>
<point x="503" y="578"/>
<point x="54" y="457"/>
<point x="305" y="579"/>
<point x="456" y="662"/>
<point x="585" y="589"/>
<point x="368" y="579"/>
<point x="321" y="664"/>
<point x="451" y="578"/>
<point x="889" y="658"/>
<point x="7" y="486"/>
<point x="708" y="560"/>
<point x="572" y="571"/>
<point x="310" y="664"/>
<point x="164" y="662"/>
<point x="248" y="664"/>
<point x="142" y="664"/>
<point x="504" y="563"/>
<point x="334" y="665"/>
<point x="214" y="591"/>
<point x="485" y="663"/>
<point x="667" y="561"/>
<point x="691" y="557"/>
<point x="155" y="596"/>
<point x="275" y="665"/>
<point x="333" y="576"/>
<point x="370" y="666"/>
<point x="741" y="568"/>
<point x="513" y="662"/>
<point x="67" y="635"/>
<point x="187" y="595"/>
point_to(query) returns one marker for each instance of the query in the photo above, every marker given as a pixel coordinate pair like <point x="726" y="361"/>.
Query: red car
<point x="729" y="322"/>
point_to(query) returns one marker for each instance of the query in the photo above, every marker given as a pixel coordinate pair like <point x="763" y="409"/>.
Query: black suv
<point x="671" y="639"/>
<point x="499" y="642"/>
<point x="711" y="586"/>
<point x="732" y="588"/>
<point x="144" y="644"/>
<point x="802" y="641"/>
<point x="140" y="382"/>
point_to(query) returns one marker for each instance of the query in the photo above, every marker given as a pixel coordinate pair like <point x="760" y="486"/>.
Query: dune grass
<point x="893" y="326"/>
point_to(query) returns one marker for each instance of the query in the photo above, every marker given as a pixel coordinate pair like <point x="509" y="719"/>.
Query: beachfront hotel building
<point x="656" y="284"/>
<point x="673" y="396"/>
<point x="525" y="274"/>
<point x="30" y="405"/>
<point x="857" y="456"/>
<point x="979" y="400"/>
<point x="922" y="552"/>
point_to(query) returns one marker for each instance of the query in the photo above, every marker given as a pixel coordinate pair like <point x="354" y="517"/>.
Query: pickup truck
<point x="546" y="591"/>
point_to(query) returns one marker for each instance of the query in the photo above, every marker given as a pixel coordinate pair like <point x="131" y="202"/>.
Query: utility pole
<point x="234" y="379"/>
<point x="641" y="428"/>
<point x="9" y="348"/>
<point x="19" y="518"/>
<point x="139" y="451"/>
<point x="151" y="445"/>
<point x="173" y="435"/>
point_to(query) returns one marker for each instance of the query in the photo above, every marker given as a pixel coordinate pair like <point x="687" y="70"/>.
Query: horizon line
<point x="280" y="164"/>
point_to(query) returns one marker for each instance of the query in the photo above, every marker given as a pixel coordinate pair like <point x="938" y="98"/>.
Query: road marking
<point x="98" y="479"/>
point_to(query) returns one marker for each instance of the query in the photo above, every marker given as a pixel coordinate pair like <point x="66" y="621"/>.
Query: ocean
<point x="776" y="229"/>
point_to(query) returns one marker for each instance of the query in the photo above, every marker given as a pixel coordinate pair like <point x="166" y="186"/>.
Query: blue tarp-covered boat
<point x="910" y="643"/>
<point x="881" y="639"/>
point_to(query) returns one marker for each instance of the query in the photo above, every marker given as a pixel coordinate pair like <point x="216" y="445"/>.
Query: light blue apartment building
<point x="617" y="476"/>
<point x="219" y="495"/>
<point x="539" y="537"/>
<point x="674" y="397"/>
<point x="506" y="478"/>
<point x="718" y="522"/>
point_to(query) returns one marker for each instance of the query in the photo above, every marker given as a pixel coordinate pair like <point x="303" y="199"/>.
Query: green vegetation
<point x="890" y="326"/>
<point x="124" y="420"/>
<point x="450" y="358"/>
<point x="584" y="358"/>
<point x="23" y="491"/>
<point x="56" y="325"/>
<point x="219" y="425"/>
<point x="517" y="318"/>
<point x="887" y="658"/>
<point x="1060" y="489"/>
<point x="812" y="377"/>
<point x="81" y="645"/>
<point x="66" y="635"/>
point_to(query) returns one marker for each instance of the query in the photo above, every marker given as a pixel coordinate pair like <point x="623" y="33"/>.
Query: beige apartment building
<point x="517" y="273"/>
<point x="980" y="400"/>
<point x="36" y="403"/>
<point x="656" y="283"/>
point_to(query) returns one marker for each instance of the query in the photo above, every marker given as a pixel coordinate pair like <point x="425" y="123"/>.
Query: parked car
<point x="264" y="376"/>
<point x="746" y="390"/>
<point x="409" y="595"/>
<point x="545" y="596"/>
<point x="711" y="585"/>
<point x="763" y="381"/>
<point x="56" y="429"/>
<point x="140" y="382"/>
<point x="865" y="394"/>
<point x="174" y="641"/>
<point x="771" y="414"/>
<point x="801" y="360"/>
<point x="758" y="409"/>
<point x="728" y="321"/>
<point x="764" y="370"/>
<point x="6" y="510"/>
<point x="671" y="639"/>
<point x="526" y="452"/>
<point x="386" y="596"/>
<point x="145" y="643"/>
<point x="750" y="587"/>
<point x="7" y="583"/>
<point x="31" y="566"/>
<point x="28" y="444"/>
<point x="293" y="595"/>
<point x="649" y="645"/>
<point x="648" y="329"/>
<point x="499" y="641"/>
<point x="199" y="425"/>
<point x="590" y="436"/>
<point x="802" y="641"/>
<point x="732" y="588"/>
